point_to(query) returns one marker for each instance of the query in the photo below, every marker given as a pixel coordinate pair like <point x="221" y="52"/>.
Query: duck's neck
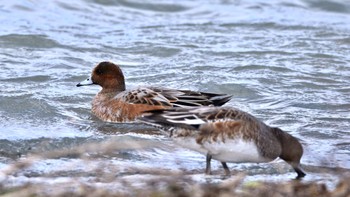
<point x="107" y="93"/>
<point x="291" y="147"/>
<point x="113" y="87"/>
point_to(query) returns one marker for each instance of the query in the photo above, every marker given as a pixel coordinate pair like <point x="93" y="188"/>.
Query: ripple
<point x="21" y="40"/>
<point x="331" y="6"/>
<point x="157" y="7"/>
<point x="281" y="69"/>
<point x="36" y="78"/>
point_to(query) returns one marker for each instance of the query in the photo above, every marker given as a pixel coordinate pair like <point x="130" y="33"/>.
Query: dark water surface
<point x="286" y="62"/>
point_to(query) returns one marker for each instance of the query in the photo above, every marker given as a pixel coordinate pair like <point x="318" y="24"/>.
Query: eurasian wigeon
<point x="227" y="134"/>
<point x="116" y="104"/>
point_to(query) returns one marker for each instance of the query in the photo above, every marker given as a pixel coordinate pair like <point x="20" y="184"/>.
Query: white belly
<point x="236" y="151"/>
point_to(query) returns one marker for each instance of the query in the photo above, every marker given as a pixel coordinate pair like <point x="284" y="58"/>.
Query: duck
<point x="114" y="103"/>
<point x="227" y="134"/>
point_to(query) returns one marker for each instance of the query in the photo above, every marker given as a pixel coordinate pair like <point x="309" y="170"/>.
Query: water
<point x="286" y="62"/>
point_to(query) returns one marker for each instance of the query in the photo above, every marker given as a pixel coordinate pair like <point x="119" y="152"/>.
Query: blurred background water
<point x="286" y="62"/>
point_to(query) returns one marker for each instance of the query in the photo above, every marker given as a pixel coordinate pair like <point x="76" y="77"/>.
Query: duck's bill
<point x="86" y="82"/>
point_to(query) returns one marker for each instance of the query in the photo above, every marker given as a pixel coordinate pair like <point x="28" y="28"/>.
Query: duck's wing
<point x="172" y="98"/>
<point x="144" y="96"/>
<point x="211" y="122"/>
<point x="187" y="98"/>
<point x="192" y="116"/>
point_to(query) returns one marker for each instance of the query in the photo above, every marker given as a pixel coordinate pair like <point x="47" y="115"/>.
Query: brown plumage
<point x="116" y="104"/>
<point x="228" y="135"/>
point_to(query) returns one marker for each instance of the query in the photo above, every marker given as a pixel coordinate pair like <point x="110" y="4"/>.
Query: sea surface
<point x="286" y="62"/>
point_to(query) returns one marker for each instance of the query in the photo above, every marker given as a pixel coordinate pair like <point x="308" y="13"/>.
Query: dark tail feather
<point x="217" y="99"/>
<point x="220" y="99"/>
<point x="153" y="117"/>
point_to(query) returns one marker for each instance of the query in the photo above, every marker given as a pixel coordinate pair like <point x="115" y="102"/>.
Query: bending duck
<point x="227" y="134"/>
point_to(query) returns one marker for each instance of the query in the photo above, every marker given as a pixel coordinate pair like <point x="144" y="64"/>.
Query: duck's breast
<point x="235" y="150"/>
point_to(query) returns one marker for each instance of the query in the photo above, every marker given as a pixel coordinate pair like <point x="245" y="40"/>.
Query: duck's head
<point x="106" y="74"/>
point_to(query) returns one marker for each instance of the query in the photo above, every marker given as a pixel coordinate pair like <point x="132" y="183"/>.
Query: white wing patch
<point x="187" y="121"/>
